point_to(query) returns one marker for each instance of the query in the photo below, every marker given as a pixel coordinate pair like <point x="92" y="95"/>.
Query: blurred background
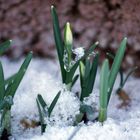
<point x="28" y="23"/>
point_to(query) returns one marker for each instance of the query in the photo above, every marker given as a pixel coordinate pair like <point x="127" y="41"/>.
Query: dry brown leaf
<point x="125" y="99"/>
<point x="26" y="123"/>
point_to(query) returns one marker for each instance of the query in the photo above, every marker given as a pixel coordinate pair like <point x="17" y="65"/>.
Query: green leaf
<point x="41" y="101"/>
<point x="87" y="69"/>
<point x="66" y="76"/>
<point x="41" y="117"/>
<point x="116" y="66"/>
<point x="2" y="85"/>
<point x="51" y="107"/>
<point x="103" y="91"/>
<point x="93" y="73"/>
<point x="6" y="121"/>
<point x="110" y="55"/>
<point x="4" y="46"/>
<point x="128" y="75"/>
<point x="74" y="80"/>
<point x="91" y="49"/>
<point x="69" y="75"/>
<point x="82" y="72"/>
<point x="6" y="103"/>
<point x="12" y="87"/>
<point x="87" y="76"/>
<point x="58" y="42"/>
<point x="104" y="84"/>
<point x="84" y="78"/>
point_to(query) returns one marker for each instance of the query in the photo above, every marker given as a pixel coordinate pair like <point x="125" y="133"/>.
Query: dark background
<point x="28" y="23"/>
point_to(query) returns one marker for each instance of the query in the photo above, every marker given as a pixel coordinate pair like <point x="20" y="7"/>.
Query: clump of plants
<point x="107" y="80"/>
<point x="44" y="110"/>
<point x="70" y="59"/>
<point x="68" y="63"/>
<point x="8" y="88"/>
<point x="87" y="61"/>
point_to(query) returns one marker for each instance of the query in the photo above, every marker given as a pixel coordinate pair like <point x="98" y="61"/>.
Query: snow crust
<point x="43" y="78"/>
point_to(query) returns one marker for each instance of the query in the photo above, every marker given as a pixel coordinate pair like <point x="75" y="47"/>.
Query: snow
<point x="43" y="78"/>
<point x="79" y="52"/>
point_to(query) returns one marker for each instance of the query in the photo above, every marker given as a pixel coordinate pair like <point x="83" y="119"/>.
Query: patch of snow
<point x="43" y="78"/>
<point x="79" y="52"/>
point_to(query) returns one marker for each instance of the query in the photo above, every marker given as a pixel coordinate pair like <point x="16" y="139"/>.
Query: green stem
<point x="69" y="59"/>
<point x="6" y="121"/>
<point x="102" y="114"/>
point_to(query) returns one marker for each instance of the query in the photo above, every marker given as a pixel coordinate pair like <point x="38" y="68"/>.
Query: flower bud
<point x="68" y="38"/>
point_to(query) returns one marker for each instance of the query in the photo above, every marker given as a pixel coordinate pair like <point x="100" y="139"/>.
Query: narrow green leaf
<point x="2" y="116"/>
<point x="128" y="75"/>
<point x="93" y="73"/>
<point x="12" y="87"/>
<point x="57" y="33"/>
<point x="87" y="68"/>
<point x="6" y="121"/>
<point x="104" y="84"/>
<point x="116" y="65"/>
<point x="4" y="46"/>
<point x="84" y="78"/>
<point x="74" y="80"/>
<point x="82" y="72"/>
<point x="110" y="55"/>
<point x="2" y="85"/>
<point x="103" y="91"/>
<point x="41" y="101"/>
<point x="91" y="49"/>
<point x="41" y="117"/>
<point x="88" y="78"/>
<point x="6" y="103"/>
<point x="58" y="41"/>
<point x="9" y="88"/>
<point x="51" y="107"/>
<point x="69" y="75"/>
